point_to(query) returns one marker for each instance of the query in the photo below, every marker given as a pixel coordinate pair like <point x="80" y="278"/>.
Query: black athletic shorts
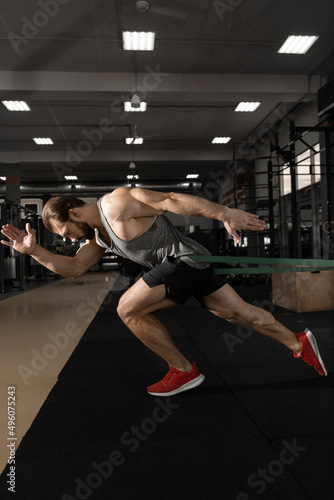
<point x="183" y="281"/>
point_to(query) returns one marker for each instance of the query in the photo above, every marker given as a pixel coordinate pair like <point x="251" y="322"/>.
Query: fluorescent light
<point x="192" y="176"/>
<point x="16" y="105"/>
<point x="247" y="106"/>
<point x="221" y="140"/>
<point x="128" y="107"/>
<point x="134" y="40"/>
<point x="71" y="178"/>
<point x="2" y="178"/>
<point x="297" y="44"/>
<point x="134" y="140"/>
<point x="132" y="177"/>
<point x="43" y="141"/>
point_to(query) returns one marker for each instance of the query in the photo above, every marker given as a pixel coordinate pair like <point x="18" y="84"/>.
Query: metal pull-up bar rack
<point x="288" y="154"/>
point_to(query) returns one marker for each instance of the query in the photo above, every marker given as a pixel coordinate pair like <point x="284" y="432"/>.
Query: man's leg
<point x="227" y="304"/>
<point x="134" y="309"/>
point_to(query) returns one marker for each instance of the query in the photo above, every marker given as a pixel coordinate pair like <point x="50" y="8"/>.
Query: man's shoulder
<point x="117" y="194"/>
<point x="114" y="201"/>
<point x="124" y="204"/>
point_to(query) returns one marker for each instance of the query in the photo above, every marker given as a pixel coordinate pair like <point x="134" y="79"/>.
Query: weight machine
<point x="13" y="265"/>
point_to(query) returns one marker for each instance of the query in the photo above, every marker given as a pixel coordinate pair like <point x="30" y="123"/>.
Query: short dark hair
<point x="57" y="209"/>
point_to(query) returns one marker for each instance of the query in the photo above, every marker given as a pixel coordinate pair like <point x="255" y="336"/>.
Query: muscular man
<point x="130" y="222"/>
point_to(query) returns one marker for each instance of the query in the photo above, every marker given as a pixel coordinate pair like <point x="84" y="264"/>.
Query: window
<point x="317" y="163"/>
<point x="286" y="179"/>
<point x="305" y="163"/>
<point x="303" y="177"/>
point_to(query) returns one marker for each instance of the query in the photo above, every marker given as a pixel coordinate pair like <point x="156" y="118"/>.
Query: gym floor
<point x="260" y="426"/>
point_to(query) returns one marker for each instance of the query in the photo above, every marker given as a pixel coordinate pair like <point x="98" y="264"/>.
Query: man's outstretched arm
<point x="184" y="204"/>
<point x="86" y="257"/>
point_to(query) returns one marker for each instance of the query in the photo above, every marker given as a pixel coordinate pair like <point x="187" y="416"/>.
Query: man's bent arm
<point x="71" y="267"/>
<point x="86" y="257"/>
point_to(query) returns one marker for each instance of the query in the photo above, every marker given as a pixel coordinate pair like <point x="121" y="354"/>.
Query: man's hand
<point x="20" y="241"/>
<point x="238" y="219"/>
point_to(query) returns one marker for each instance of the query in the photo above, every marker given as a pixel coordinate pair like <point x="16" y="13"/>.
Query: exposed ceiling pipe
<point x="33" y="188"/>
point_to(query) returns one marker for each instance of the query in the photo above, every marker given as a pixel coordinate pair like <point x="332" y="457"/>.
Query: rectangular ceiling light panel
<point x="16" y="105"/>
<point x="221" y="140"/>
<point x="247" y="106"/>
<point x="297" y="44"/>
<point x="134" y="140"/>
<point x="43" y="141"/>
<point x="128" y="107"/>
<point x="134" y="40"/>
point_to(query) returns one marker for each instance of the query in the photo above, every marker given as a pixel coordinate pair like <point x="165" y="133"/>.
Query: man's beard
<point x="88" y="232"/>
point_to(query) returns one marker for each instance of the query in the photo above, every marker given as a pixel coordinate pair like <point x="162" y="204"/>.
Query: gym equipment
<point x="13" y="265"/>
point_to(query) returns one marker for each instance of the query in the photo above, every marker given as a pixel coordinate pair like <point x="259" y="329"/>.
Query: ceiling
<point x="65" y="58"/>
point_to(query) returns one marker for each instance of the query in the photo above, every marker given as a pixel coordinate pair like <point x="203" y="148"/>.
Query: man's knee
<point x="124" y="309"/>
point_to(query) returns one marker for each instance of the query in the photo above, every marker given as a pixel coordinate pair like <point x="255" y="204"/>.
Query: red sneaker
<point x="310" y="352"/>
<point x="176" y="381"/>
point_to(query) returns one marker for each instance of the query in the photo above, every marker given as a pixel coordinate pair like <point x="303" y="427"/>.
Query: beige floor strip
<point x="39" y="330"/>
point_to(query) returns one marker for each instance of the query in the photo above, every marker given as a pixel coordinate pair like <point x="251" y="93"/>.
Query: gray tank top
<point x="160" y="241"/>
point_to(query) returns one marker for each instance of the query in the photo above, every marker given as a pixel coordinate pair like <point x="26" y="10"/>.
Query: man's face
<point x="88" y="232"/>
<point x="74" y="230"/>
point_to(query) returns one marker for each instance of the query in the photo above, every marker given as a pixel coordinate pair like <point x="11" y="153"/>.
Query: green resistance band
<point x="272" y="270"/>
<point x="296" y="265"/>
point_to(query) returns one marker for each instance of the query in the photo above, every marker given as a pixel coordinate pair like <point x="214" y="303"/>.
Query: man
<point x="131" y="223"/>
